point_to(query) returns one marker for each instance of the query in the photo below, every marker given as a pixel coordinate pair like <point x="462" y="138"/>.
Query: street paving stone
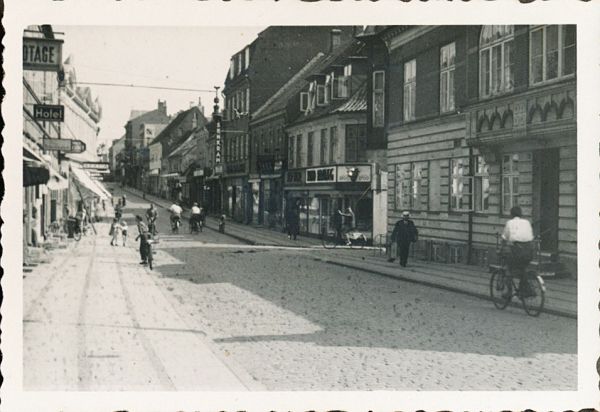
<point x="274" y="319"/>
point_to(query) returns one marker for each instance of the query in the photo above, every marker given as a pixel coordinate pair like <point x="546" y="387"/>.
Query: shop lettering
<point x="320" y="175"/>
<point x="41" y="54"/>
<point x="293" y="177"/>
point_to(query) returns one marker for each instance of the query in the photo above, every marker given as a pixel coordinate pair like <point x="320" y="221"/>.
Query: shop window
<point x="333" y="144"/>
<point x="410" y="89"/>
<point x="510" y="182"/>
<point x="552" y="53"/>
<point x="496" y="51"/>
<point x="356" y="143"/>
<point x="482" y="185"/>
<point x="461" y="190"/>
<point x="447" y="59"/>
<point x="310" y="149"/>
<point x="323" y="147"/>
<point x="378" y="98"/>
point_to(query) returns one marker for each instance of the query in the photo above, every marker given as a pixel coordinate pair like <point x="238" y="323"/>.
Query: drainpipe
<point x="471" y="212"/>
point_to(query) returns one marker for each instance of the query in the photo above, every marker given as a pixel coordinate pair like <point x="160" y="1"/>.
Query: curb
<point x="555" y="312"/>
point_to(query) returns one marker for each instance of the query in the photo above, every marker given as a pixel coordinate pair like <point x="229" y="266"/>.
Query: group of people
<point x="118" y="227"/>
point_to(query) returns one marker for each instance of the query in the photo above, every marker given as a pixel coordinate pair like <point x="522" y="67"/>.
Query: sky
<point x="177" y="57"/>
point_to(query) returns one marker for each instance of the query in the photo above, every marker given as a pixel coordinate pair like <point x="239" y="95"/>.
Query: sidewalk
<point x="561" y="294"/>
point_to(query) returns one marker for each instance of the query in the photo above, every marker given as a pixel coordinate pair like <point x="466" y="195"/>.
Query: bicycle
<point x="531" y="293"/>
<point x="356" y="239"/>
<point x="195" y="225"/>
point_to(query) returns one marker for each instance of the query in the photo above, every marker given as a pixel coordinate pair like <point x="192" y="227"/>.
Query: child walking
<point x="124" y="231"/>
<point x="115" y="228"/>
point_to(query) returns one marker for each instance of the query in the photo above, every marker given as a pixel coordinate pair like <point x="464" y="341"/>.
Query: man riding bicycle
<point x="518" y="234"/>
<point x="196" y="216"/>
<point x="151" y="216"/>
<point x="176" y="212"/>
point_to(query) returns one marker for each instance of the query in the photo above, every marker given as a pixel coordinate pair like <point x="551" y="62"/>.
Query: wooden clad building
<point x="480" y="119"/>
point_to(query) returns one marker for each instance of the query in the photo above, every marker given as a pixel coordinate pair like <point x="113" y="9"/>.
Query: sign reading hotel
<point x="49" y="112"/>
<point x="321" y="175"/>
<point x="42" y="54"/>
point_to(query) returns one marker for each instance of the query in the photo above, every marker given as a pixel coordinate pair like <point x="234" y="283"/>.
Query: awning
<point x="84" y="181"/>
<point x="57" y="182"/>
<point x="35" y="173"/>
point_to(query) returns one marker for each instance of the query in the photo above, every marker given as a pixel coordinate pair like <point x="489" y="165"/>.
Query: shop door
<point x="548" y="195"/>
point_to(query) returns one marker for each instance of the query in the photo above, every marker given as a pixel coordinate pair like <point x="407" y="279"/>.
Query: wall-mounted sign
<point x="293" y="176"/>
<point x="42" y="54"/>
<point x="199" y="172"/>
<point x="218" y="143"/>
<point x="95" y="165"/>
<point x="49" y="112"/>
<point x="64" y="145"/>
<point x="362" y="173"/>
<point x="321" y="175"/>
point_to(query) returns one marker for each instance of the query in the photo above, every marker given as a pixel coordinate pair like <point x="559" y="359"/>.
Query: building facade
<point x="481" y="119"/>
<point x="255" y="74"/>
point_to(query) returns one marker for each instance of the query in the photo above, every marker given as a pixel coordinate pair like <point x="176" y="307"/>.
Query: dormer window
<point x="239" y="63"/>
<point x="312" y="95"/>
<point x="231" y="69"/>
<point x="304" y="101"/>
<point x="321" y="101"/>
<point x="247" y="57"/>
<point x="348" y="70"/>
<point x="328" y="88"/>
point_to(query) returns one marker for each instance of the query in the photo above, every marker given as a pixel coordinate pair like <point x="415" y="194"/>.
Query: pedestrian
<point x="336" y="222"/>
<point x="124" y="228"/>
<point x="518" y="233"/>
<point x="115" y="228"/>
<point x="405" y="233"/>
<point x="292" y="221"/>
<point x="124" y="200"/>
<point x="103" y="205"/>
<point x="143" y="238"/>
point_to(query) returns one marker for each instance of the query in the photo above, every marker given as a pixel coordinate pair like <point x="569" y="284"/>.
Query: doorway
<point x="546" y="179"/>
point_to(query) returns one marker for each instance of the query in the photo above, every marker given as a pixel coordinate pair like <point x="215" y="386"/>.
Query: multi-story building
<point x="140" y="129"/>
<point x="481" y="119"/>
<point x="329" y="166"/>
<point x="115" y="153"/>
<point x="256" y="73"/>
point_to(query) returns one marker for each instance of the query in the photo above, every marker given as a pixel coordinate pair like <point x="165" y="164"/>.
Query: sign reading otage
<point x="42" y="54"/>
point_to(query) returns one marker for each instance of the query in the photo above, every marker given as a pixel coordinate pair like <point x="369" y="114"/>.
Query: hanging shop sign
<point x="64" y="145"/>
<point x="354" y="173"/>
<point x="49" y="112"/>
<point x="42" y="54"/>
<point x="218" y="143"/>
<point x="98" y="166"/>
<point x="321" y="175"/>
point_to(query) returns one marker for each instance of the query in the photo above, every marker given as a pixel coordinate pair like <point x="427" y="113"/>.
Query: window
<point x="321" y="95"/>
<point x="303" y="101"/>
<point x="356" y="143"/>
<point x="447" y="59"/>
<point x="247" y="55"/>
<point x="403" y="186"/>
<point x="310" y="149"/>
<point x="378" y="98"/>
<point x="312" y="91"/>
<point x="323" y="147"/>
<point x="348" y="70"/>
<point x="418" y="184"/>
<point x="496" y="50"/>
<point x="231" y="69"/>
<point x="339" y="87"/>
<point x="333" y="144"/>
<point x="510" y="182"/>
<point x="299" y="150"/>
<point x="461" y="185"/>
<point x="327" y="88"/>
<point x="482" y="185"/>
<point x="247" y="109"/>
<point x="552" y="53"/>
<point x="291" y="146"/>
<point x="410" y="89"/>
<point x="239" y="63"/>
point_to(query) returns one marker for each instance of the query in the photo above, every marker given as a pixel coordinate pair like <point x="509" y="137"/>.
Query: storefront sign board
<point x="321" y="175"/>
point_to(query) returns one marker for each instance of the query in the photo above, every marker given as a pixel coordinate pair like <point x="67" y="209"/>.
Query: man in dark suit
<point x="403" y="235"/>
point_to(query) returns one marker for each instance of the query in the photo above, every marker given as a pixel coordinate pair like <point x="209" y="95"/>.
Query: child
<point x="124" y="231"/>
<point x="115" y="228"/>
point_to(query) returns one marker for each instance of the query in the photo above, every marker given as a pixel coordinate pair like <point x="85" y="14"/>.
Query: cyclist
<point x="518" y="234"/>
<point x="151" y="216"/>
<point x="176" y="212"/>
<point x="196" y="216"/>
<point x="348" y="223"/>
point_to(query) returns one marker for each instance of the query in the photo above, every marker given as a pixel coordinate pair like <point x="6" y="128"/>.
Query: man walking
<point x="143" y="237"/>
<point x="405" y="233"/>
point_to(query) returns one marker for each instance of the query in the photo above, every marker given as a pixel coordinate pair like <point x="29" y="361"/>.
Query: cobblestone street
<point x="219" y="314"/>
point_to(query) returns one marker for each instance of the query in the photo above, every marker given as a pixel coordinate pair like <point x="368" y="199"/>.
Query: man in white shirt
<point x="176" y="212"/>
<point x="195" y="216"/>
<point x="518" y="233"/>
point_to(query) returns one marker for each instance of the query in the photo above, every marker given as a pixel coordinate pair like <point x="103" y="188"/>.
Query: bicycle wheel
<point x="499" y="289"/>
<point x="359" y="243"/>
<point x="150" y="257"/>
<point x="533" y="298"/>
<point x="329" y="242"/>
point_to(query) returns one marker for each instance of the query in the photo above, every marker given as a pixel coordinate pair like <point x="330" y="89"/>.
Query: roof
<point x="177" y="121"/>
<point x="356" y="103"/>
<point x="186" y="146"/>
<point x="136" y="113"/>
<point x="279" y="100"/>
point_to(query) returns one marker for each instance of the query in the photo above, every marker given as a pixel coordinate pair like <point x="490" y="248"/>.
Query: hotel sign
<point x="42" y="54"/>
<point x="49" y="112"/>
<point x="321" y="175"/>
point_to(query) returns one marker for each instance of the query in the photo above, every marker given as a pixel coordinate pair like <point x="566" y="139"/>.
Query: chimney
<point x="162" y="106"/>
<point x="335" y="39"/>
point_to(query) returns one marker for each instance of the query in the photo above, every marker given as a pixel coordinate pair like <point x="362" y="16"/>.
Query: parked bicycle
<point x="353" y="238"/>
<point x="531" y="290"/>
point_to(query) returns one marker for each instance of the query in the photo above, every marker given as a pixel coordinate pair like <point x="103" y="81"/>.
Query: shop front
<point x="269" y="209"/>
<point x="237" y="191"/>
<point x="320" y="192"/>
